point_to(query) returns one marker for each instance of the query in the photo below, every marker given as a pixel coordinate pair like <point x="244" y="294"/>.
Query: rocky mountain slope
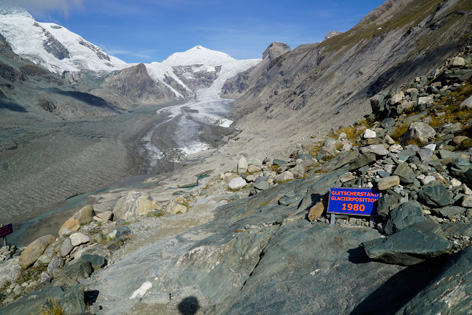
<point x="325" y="85"/>
<point x="257" y="238"/>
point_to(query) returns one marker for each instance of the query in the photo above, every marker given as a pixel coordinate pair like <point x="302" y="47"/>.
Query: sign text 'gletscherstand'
<point x="353" y="201"/>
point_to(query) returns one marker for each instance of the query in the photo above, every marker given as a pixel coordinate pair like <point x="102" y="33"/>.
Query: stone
<point x="85" y="215"/>
<point x="448" y="212"/>
<point x="388" y="182"/>
<point x="457" y="62"/>
<point x="176" y="208"/>
<point x="34" y="250"/>
<point x="299" y="170"/>
<point x="419" y="132"/>
<point x="72" y="224"/>
<point x="64" y="232"/>
<point x="425" y="100"/>
<point x="397" y="98"/>
<point x="105" y="216"/>
<point x="134" y="204"/>
<point x="425" y="155"/>
<point x="362" y="160"/>
<point x="78" y="238"/>
<point x="262" y="185"/>
<point x="284" y="177"/>
<point x="389" y="140"/>
<point x="279" y="162"/>
<point x="316" y="211"/>
<point x="467" y="201"/>
<point x="54" y="264"/>
<point x="369" y="134"/>
<point x="72" y="300"/>
<point x="467" y="103"/>
<point x="237" y="183"/>
<point x="460" y="166"/>
<point x="328" y="149"/>
<point x="411" y="245"/>
<point x="66" y="247"/>
<point x="447" y="292"/>
<point x="435" y="195"/>
<point x="386" y="203"/>
<point x="250" y="178"/>
<point x="253" y="169"/>
<point x="406" y="214"/>
<point x="96" y="261"/>
<point x="47" y="256"/>
<point x="242" y="165"/>
<point x="405" y="173"/>
<point x="378" y="149"/>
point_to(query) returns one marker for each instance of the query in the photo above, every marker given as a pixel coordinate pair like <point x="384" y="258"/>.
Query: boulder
<point x="447" y="293"/>
<point x="467" y="103"/>
<point x="242" y="165"/>
<point x="261" y="185"/>
<point x="448" y="212"/>
<point x="105" y="216"/>
<point x="135" y="203"/>
<point x="96" y="261"/>
<point x="412" y="245"/>
<point x="387" y="203"/>
<point x="237" y="183"/>
<point x="284" y="177"/>
<point x="85" y="215"/>
<point x="369" y="134"/>
<point x="251" y="169"/>
<point x="316" y="211"/>
<point x="405" y="173"/>
<point x="388" y="182"/>
<point x="34" y="250"/>
<point x="406" y="214"/>
<point x="419" y="132"/>
<point x="79" y="238"/>
<point x="435" y="195"/>
<point x="378" y="149"/>
<point x="72" y="224"/>
<point x="457" y="62"/>
<point x="176" y="208"/>
<point x="66" y="248"/>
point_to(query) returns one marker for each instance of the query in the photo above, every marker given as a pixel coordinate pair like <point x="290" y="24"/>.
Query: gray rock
<point x="237" y="183"/>
<point x="242" y="165"/>
<point x="448" y="292"/>
<point x="362" y="160"/>
<point x="460" y="166"/>
<point x="79" y="238"/>
<point x="425" y="155"/>
<point x="96" y="261"/>
<point x="448" y="212"/>
<point x="406" y="214"/>
<point x="278" y="162"/>
<point x="467" y="103"/>
<point x="411" y="245"/>
<point x="66" y="247"/>
<point x="405" y="173"/>
<point x="369" y="134"/>
<point x="55" y="263"/>
<point x="262" y="185"/>
<point x="386" y="203"/>
<point x="285" y="176"/>
<point x="378" y="149"/>
<point x="435" y="195"/>
<point x="420" y="132"/>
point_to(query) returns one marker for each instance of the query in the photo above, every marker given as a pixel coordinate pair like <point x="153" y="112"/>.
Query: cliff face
<point x="325" y="85"/>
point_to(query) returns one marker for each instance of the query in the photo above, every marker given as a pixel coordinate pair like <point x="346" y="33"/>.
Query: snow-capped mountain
<point x="52" y="46"/>
<point x="56" y="49"/>
<point x="197" y="68"/>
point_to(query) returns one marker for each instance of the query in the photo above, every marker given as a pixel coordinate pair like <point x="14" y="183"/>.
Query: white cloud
<point x="40" y="6"/>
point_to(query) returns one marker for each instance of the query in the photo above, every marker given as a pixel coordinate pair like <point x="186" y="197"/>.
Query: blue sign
<point x="5" y="230"/>
<point x="353" y="201"/>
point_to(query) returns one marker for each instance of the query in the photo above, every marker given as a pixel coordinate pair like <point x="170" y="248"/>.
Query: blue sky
<point x="151" y="30"/>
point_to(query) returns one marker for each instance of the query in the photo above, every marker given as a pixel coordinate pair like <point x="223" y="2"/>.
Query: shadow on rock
<point x="358" y="256"/>
<point x="401" y="288"/>
<point x="189" y="306"/>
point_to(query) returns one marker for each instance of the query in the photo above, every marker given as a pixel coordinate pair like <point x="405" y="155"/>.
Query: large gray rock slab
<point x="449" y="292"/>
<point x="411" y="245"/>
<point x="435" y="195"/>
<point x="406" y="214"/>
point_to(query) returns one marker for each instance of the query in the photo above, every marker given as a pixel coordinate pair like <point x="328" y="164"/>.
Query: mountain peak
<point x="14" y="11"/>
<point x="199" y="55"/>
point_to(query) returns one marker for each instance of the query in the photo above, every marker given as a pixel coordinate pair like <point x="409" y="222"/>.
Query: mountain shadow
<point x="189" y="306"/>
